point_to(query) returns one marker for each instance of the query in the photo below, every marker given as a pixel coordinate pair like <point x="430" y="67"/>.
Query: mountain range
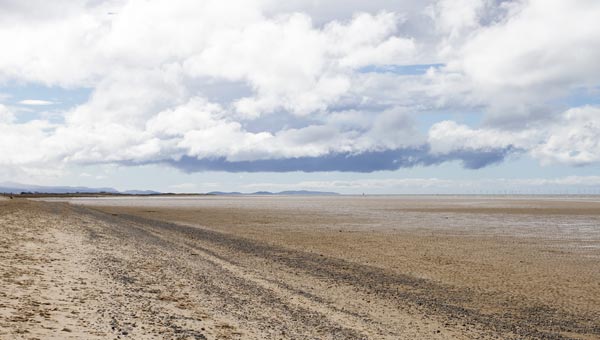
<point x="17" y="188"/>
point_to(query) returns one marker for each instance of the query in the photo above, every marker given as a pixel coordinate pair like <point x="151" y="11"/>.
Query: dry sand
<point x="301" y="268"/>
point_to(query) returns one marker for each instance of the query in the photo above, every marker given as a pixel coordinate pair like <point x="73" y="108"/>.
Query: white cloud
<point x="150" y="63"/>
<point x="305" y="69"/>
<point x="455" y="20"/>
<point x="6" y="115"/>
<point x="539" y="53"/>
<point x="572" y="139"/>
<point x="143" y="109"/>
<point x="22" y="153"/>
<point x="35" y="102"/>
<point x="532" y="49"/>
<point x="447" y="136"/>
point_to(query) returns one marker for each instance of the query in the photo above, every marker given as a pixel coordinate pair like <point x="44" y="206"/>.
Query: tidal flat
<point x="297" y="267"/>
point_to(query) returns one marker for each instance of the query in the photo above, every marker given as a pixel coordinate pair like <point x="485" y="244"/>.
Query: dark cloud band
<point x="346" y="162"/>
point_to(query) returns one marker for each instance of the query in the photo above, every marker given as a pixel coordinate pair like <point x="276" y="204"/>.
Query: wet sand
<point x="296" y="268"/>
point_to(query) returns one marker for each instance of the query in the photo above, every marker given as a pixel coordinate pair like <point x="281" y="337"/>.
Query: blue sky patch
<point x="406" y="70"/>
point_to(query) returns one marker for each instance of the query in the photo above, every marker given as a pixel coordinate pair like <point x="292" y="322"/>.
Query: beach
<point x="286" y="267"/>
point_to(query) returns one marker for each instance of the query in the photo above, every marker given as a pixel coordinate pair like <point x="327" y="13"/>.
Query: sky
<point x="446" y="96"/>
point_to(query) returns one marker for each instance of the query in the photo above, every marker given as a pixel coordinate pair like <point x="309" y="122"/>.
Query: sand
<point x="290" y="268"/>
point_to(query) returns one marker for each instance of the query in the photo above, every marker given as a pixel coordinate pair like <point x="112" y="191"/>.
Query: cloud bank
<point x="260" y="86"/>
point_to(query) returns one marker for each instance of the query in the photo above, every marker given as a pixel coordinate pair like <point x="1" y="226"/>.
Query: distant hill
<point x="17" y="188"/>
<point x="281" y="193"/>
<point x="233" y="193"/>
<point x="141" y="192"/>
